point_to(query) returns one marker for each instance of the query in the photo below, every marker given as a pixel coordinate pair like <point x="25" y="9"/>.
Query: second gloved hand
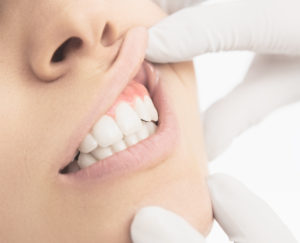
<point x="244" y="217"/>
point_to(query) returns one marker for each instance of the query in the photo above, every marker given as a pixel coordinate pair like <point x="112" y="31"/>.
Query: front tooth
<point x="150" y="106"/>
<point x="86" y="160"/>
<point x="142" y="110"/>
<point x="88" y="144"/>
<point x="102" y="153"/>
<point x="107" y="132"/>
<point x="131" y="140"/>
<point x="143" y="133"/>
<point x="119" y="146"/>
<point x="127" y="119"/>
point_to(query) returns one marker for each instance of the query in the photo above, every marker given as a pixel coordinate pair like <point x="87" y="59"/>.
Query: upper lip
<point x="129" y="69"/>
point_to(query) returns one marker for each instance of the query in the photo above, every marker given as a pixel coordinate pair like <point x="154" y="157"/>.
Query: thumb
<point x="265" y="26"/>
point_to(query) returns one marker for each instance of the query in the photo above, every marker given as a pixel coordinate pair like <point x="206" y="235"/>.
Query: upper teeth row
<point x="109" y="131"/>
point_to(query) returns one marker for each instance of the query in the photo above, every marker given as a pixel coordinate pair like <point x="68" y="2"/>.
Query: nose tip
<point x="53" y="51"/>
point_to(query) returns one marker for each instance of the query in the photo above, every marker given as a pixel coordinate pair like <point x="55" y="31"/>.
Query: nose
<point x="57" y="43"/>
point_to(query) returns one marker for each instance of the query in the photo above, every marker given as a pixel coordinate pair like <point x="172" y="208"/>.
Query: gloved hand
<point x="263" y="26"/>
<point x="244" y="217"/>
<point x="271" y="82"/>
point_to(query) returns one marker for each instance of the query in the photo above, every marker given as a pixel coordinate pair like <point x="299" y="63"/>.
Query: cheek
<point x="23" y="133"/>
<point x="13" y="126"/>
<point x="182" y="90"/>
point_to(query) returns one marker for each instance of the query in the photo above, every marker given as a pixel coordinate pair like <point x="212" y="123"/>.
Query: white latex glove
<point x="271" y="82"/>
<point x="244" y="217"/>
<point x="263" y="26"/>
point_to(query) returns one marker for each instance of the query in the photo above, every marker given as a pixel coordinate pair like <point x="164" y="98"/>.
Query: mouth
<point x="138" y="131"/>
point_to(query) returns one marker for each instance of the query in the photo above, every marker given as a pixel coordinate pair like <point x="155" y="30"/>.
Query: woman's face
<point x="53" y="95"/>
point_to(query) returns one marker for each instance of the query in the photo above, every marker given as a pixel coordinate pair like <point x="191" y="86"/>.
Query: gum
<point x="129" y="94"/>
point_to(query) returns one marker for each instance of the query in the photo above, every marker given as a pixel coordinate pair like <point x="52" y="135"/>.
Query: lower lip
<point x="147" y="153"/>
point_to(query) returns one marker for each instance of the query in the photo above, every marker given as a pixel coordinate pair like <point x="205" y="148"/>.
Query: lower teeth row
<point x="86" y="160"/>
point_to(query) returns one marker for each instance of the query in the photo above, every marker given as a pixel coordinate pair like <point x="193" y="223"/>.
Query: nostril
<point x="65" y="48"/>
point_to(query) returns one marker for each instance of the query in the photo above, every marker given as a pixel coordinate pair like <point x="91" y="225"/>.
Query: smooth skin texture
<point x="43" y="104"/>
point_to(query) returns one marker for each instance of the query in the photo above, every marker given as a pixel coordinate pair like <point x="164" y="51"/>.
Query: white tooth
<point x="102" y="153"/>
<point x="131" y="140"/>
<point x="151" y="108"/>
<point x="127" y="119"/>
<point x="143" y="133"/>
<point x="119" y="146"/>
<point x="151" y="127"/>
<point x="107" y="132"/>
<point x="142" y="110"/>
<point x="88" y="144"/>
<point x="86" y="160"/>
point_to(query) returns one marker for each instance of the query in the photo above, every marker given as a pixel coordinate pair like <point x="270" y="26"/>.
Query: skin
<point x="42" y="105"/>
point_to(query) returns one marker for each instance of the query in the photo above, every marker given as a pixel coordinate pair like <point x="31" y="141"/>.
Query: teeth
<point x="107" y="132"/>
<point x="143" y="133"/>
<point x="119" y="146"/>
<point x="127" y="119"/>
<point x="86" y="160"/>
<point x="151" y="108"/>
<point x="88" y="144"/>
<point x="110" y="135"/>
<point x="151" y="127"/>
<point x="142" y="110"/>
<point x="131" y="140"/>
<point x="102" y="153"/>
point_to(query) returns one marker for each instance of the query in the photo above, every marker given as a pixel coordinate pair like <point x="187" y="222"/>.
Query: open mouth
<point x="132" y="119"/>
<point x="138" y="132"/>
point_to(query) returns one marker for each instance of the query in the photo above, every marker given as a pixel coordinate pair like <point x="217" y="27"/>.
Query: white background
<point x="267" y="156"/>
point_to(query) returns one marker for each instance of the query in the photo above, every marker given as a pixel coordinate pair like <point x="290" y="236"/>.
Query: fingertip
<point x="150" y="225"/>
<point x="142" y="224"/>
<point x="156" y="50"/>
<point x="165" y="45"/>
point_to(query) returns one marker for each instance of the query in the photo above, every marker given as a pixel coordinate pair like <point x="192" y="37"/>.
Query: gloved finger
<point x="171" y="6"/>
<point x="264" y="26"/>
<point x="272" y="82"/>
<point x="244" y="217"/>
<point x="157" y="225"/>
